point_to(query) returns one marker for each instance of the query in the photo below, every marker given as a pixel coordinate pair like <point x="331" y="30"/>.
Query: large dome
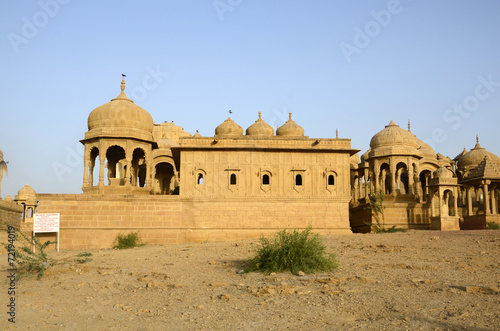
<point x="425" y="149"/>
<point x="290" y="128"/>
<point x="121" y="116"/>
<point x="392" y="136"/>
<point x="260" y="128"/>
<point x="472" y="159"/>
<point x="229" y="128"/>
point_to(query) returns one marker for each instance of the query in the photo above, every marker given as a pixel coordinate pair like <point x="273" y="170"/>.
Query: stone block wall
<point x="10" y="214"/>
<point x="93" y="221"/>
<point x="400" y="212"/>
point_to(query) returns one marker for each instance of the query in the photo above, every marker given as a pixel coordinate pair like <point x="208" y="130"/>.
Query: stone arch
<point x="298" y="180"/>
<point x="402" y="178"/>
<point x="265" y="180"/>
<point x="330" y="181"/>
<point x="164" y="178"/>
<point x="200" y="179"/>
<point x="424" y="177"/>
<point x="93" y="175"/>
<point x="139" y="167"/>
<point x="385" y="178"/>
<point x="115" y="156"/>
<point x="448" y="205"/>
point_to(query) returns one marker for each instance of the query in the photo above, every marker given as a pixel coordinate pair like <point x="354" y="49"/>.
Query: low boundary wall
<point x="93" y="221"/>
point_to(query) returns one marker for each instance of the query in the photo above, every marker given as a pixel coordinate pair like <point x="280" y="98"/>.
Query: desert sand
<point x="418" y="280"/>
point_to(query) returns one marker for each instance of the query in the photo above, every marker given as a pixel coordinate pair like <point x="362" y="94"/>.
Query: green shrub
<point x="492" y="226"/>
<point x="293" y="251"/>
<point x="27" y="261"/>
<point x="391" y="229"/>
<point x="123" y="241"/>
<point x="83" y="257"/>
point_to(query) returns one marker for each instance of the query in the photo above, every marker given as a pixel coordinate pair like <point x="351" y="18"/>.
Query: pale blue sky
<point x="412" y="60"/>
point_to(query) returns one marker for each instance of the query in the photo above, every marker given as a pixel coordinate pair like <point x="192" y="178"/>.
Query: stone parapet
<point x="93" y="221"/>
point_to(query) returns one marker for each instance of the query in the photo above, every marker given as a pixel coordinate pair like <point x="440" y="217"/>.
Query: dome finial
<point x="477" y="139"/>
<point x="337" y="133"/>
<point x="409" y="126"/>
<point x="289" y="116"/>
<point x="123" y="82"/>
<point x="260" y="115"/>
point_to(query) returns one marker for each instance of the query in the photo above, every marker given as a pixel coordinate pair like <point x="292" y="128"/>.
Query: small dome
<point x="425" y="149"/>
<point x="459" y="156"/>
<point x="443" y="172"/>
<point x="391" y="136"/>
<point x="354" y="159"/>
<point x="472" y="159"/>
<point x="197" y="134"/>
<point x="290" y="128"/>
<point x="229" y="129"/>
<point x="8" y="198"/>
<point x="365" y="156"/>
<point x="26" y="190"/>
<point x="122" y="113"/>
<point x="260" y="128"/>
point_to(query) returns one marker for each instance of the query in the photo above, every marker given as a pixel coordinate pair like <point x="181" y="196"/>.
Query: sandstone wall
<point x="10" y="214"/>
<point x="401" y="212"/>
<point x="93" y="221"/>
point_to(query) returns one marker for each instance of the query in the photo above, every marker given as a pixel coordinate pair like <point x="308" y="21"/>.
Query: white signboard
<point x="43" y="223"/>
<point x="46" y="223"/>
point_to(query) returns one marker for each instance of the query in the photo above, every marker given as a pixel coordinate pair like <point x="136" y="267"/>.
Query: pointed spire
<point x="289" y="116"/>
<point x="477" y="142"/>
<point x="409" y="126"/>
<point x="123" y="83"/>
<point x="260" y="115"/>
<point x="337" y="133"/>
<point x="122" y="95"/>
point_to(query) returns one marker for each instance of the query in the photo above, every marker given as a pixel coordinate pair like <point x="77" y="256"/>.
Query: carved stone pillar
<point x="433" y="209"/>
<point x="469" y="201"/>
<point x="393" y="178"/>
<point x="440" y="197"/>
<point x="102" y="160"/>
<point x="493" y="201"/>
<point x="367" y="176"/>
<point x="86" y="171"/>
<point x="128" y="172"/>
<point x="410" y="178"/>
<point x="486" y="199"/>
<point x="455" y="201"/>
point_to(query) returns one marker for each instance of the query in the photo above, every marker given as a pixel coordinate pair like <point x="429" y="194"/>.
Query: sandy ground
<point x="422" y="280"/>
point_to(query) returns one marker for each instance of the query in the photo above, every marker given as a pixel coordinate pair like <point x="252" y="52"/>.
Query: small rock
<point x="225" y="297"/>
<point x="217" y="284"/>
<point x="301" y="273"/>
